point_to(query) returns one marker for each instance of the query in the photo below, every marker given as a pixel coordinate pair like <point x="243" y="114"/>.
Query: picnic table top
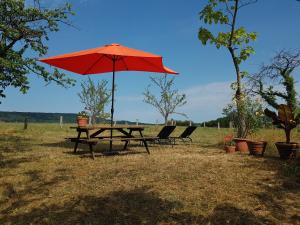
<point x="94" y="127"/>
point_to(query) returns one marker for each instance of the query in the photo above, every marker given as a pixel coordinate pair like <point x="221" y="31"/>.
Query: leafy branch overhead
<point x="24" y="29"/>
<point x="169" y="99"/>
<point x="235" y="39"/>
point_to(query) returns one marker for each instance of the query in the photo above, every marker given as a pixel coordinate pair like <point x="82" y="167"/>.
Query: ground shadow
<point x="11" y="144"/>
<point x="278" y="194"/>
<point x="228" y="213"/>
<point x="99" y="150"/>
<point x="10" y="149"/>
<point x="36" y="189"/>
<point x="9" y="162"/>
<point x="138" y="206"/>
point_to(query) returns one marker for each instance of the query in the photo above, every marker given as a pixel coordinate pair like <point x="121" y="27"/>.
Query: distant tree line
<point x="37" y="117"/>
<point x="224" y="122"/>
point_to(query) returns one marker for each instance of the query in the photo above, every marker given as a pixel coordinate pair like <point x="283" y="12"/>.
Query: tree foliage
<point x="169" y="99"/>
<point x="253" y="112"/>
<point x="275" y="82"/>
<point x="24" y="29"/>
<point x="95" y="97"/>
<point x="287" y="119"/>
<point x="235" y="39"/>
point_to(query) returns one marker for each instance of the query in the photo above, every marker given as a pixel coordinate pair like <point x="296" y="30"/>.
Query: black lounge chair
<point x="185" y="134"/>
<point x="163" y="136"/>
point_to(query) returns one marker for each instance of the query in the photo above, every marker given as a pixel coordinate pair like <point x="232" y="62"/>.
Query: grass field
<point x="43" y="182"/>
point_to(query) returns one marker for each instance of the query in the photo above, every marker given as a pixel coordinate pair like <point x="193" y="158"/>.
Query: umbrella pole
<point x="112" y="105"/>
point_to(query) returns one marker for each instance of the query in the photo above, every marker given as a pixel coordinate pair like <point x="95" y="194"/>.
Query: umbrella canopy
<point x="101" y="60"/>
<point x="109" y="58"/>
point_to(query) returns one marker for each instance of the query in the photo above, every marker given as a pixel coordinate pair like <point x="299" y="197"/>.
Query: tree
<point x="275" y="82"/>
<point x="95" y="97"/>
<point x="168" y="101"/>
<point x="23" y="30"/>
<point x="235" y="40"/>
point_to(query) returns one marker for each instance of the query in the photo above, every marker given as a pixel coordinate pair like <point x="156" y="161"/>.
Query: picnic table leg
<point x="141" y="143"/>
<point x="91" y="150"/>
<point x="146" y="146"/>
<point x="87" y="134"/>
<point x="77" y="141"/>
<point x="126" y="142"/>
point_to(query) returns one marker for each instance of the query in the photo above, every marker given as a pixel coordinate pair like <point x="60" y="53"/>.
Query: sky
<point x="164" y="27"/>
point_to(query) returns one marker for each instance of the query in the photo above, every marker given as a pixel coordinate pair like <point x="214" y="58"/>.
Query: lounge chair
<point x="163" y="136"/>
<point x="185" y="135"/>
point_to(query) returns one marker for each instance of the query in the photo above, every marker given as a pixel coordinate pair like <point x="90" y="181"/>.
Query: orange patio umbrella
<point x="109" y="58"/>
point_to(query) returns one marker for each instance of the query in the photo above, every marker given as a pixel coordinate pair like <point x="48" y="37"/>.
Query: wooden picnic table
<point x="94" y="135"/>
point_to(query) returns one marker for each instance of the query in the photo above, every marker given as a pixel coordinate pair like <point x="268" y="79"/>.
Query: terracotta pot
<point x="82" y="121"/>
<point x="230" y="149"/>
<point x="287" y="150"/>
<point x="257" y="148"/>
<point x="241" y="145"/>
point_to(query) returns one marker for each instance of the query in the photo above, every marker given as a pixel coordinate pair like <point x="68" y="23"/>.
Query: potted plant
<point x="82" y="119"/>
<point x="230" y="147"/>
<point x="251" y="109"/>
<point x="287" y="119"/>
<point x="257" y="148"/>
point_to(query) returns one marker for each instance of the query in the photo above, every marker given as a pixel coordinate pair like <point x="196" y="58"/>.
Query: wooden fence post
<point x="61" y="121"/>
<point x="25" y="123"/>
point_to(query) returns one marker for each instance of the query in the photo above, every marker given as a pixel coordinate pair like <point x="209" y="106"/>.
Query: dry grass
<point x="43" y="182"/>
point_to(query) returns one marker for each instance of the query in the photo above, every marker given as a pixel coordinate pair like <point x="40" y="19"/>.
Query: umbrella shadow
<point x="100" y="150"/>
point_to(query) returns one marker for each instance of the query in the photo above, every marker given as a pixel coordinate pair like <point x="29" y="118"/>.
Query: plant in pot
<point x="230" y="147"/>
<point x="82" y="119"/>
<point x="253" y="120"/>
<point x="286" y="119"/>
<point x="276" y="86"/>
<point x="258" y="147"/>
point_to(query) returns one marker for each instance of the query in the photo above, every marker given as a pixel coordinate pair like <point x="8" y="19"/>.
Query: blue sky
<point x="164" y="27"/>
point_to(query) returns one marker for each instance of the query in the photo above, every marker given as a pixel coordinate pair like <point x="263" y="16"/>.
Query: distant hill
<point x="39" y="117"/>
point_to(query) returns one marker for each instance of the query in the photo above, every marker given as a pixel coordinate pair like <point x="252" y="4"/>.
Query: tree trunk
<point x="288" y="135"/>
<point x="241" y="123"/>
<point x="93" y="119"/>
<point x="166" y="120"/>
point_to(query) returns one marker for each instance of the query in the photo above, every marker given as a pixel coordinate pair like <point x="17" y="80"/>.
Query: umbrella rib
<point x="86" y="72"/>
<point x="150" y="63"/>
<point x="122" y="58"/>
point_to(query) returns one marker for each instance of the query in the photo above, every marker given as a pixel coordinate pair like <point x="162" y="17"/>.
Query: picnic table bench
<point x="93" y="136"/>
